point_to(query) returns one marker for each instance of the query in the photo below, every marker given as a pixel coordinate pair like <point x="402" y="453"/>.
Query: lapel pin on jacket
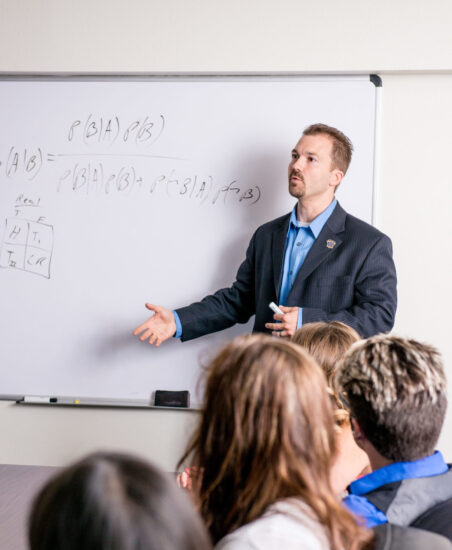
<point x="330" y="243"/>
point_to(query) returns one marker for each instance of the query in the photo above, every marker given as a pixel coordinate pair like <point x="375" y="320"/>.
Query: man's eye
<point x="312" y="159"/>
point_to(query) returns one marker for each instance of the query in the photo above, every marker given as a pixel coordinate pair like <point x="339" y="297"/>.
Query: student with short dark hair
<point x="396" y="390"/>
<point x="111" y="501"/>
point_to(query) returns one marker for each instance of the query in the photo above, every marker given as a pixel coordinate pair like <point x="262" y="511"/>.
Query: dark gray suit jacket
<point x="348" y="275"/>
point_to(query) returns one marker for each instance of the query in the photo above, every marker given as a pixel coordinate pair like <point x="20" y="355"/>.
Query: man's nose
<point x="299" y="164"/>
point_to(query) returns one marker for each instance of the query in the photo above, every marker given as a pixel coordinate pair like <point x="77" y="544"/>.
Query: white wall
<point x="225" y="35"/>
<point x="415" y="188"/>
<point x="414" y="208"/>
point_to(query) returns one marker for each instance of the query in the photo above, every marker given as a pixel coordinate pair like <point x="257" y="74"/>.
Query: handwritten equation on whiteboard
<point x="27" y="240"/>
<point x="100" y="156"/>
<point x="94" y="164"/>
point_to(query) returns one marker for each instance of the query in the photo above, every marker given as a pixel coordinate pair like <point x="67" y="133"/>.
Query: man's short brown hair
<point x="396" y="390"/>
<point x="342" y="147"/>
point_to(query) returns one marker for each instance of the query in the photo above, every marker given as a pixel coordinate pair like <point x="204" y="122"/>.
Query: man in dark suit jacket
<point x="319" y="263"/>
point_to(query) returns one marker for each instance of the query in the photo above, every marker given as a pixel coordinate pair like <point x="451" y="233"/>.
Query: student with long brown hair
<point x="328" y="343"/>
<point x="263" y="452"/>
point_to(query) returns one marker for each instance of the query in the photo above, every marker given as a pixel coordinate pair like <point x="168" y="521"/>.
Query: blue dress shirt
<point x="300" y="238"/>
<point x="356" y="501"/>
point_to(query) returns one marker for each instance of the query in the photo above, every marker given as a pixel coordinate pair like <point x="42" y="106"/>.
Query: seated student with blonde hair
<point x="111" y="501"/>
<point x="263" y="451"/>
<point x="328" y="343"/>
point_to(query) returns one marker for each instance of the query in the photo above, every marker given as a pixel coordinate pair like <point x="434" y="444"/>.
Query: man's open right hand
<point x="157" y="328"/>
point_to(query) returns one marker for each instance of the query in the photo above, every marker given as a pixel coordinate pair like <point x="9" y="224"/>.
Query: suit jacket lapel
<point x="325" y="244"/>
<point x="278" y="248"/>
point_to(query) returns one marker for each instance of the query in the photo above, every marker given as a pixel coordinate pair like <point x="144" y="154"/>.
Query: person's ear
<point x="357" y="432"/>
<point x="336" y="177"/>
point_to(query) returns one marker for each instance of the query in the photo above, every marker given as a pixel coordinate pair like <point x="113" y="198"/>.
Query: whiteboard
<point x="118" y="191"/>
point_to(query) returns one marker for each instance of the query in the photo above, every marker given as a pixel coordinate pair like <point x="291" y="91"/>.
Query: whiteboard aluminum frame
<point x="199" y="77"/>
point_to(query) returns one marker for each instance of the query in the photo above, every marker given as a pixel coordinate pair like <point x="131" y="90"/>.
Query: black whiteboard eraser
<point x="165" y="398"/>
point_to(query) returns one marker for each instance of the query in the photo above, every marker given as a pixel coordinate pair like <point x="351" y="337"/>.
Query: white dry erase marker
<point x="39" y="399"/>
<point x="275" y="308"/>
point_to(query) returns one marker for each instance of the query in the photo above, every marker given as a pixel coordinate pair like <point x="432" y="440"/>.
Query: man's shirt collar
<point x="428" y="466"/>
<point x="317" y="223"/>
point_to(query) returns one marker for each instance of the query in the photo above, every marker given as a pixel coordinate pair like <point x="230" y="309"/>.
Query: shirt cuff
<point x="300" y="317"/>
<point x="178" y="325"/>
